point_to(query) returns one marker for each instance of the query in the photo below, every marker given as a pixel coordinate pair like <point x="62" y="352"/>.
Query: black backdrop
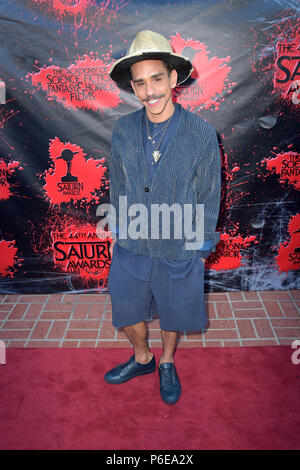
<point x="60" y="102"/>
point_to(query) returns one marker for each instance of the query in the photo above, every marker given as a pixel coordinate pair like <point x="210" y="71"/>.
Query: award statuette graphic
<point x="67" y="156"/>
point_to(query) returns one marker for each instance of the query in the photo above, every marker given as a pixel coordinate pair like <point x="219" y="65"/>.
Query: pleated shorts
<point x="179" y="303"/>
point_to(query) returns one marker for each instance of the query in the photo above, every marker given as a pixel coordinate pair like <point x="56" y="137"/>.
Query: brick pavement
<point x="84" y="320"/>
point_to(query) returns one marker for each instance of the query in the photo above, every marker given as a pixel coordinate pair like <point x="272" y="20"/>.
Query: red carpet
<point x="233" y="398"/>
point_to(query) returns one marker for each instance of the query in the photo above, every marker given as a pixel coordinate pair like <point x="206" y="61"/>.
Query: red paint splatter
<point x="287" y="165"/>
<point x="235" y="169"/>
<point x="228" y="252"/>
<point x="288" y="257"/>
<point x="84" y="85"/>
<point x="6" y="170"/>
<point x="79" y="6"/>
<point x="231" y="192"/>
<point x="72" y="177"/>
<point x="211" y="75"/>
<point x="83" y="12"/>
<point x="6" y="115"/>
<point x="8" y="258"/>
<point x="66" y="6"/>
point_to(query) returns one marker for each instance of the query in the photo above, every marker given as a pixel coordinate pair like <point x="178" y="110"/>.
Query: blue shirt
<point x="148" y="147"/>
<point x="138" y="265"/>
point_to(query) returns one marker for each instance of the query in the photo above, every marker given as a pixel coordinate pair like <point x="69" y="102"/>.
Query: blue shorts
<point x="178" y="302"/>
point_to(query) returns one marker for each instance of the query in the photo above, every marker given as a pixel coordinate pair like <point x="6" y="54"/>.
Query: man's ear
<point x="173" y="78"/>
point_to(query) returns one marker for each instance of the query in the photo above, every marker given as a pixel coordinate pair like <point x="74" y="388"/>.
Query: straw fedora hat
<point x="148" y="45"/>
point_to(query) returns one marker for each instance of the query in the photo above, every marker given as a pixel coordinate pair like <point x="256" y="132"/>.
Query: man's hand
<point x="203" y="259"/>
<point x="111" y="248"/>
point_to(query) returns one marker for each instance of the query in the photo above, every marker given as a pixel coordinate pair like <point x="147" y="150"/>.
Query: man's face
<point x="152" y="86"/>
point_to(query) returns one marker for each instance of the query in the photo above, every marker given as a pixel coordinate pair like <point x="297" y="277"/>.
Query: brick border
<point x="84" y="320"/>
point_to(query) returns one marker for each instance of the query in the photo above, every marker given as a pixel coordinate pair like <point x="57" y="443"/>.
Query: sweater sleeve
<point x="208" y="180"/>
<point x="205" y="249"/>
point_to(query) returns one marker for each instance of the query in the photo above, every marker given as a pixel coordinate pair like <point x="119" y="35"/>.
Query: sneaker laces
<point x="125" y="364"/>
<point x="168" y="378"/>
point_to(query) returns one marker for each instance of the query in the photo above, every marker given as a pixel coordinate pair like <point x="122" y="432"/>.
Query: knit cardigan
<point x="189" y="173"/>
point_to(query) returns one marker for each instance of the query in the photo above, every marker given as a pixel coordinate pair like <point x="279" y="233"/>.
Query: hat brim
<point x="120" y="70"/>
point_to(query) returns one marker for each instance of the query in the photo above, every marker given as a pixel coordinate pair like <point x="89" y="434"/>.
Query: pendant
<point x="156" y="155"/>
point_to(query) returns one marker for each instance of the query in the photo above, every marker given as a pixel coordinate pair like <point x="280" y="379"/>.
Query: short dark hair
<point x="166" y="64"/>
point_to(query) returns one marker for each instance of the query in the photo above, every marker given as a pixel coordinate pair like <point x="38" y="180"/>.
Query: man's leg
<point x="130" y="299"/>
<point x="169" y="343"/>
<point x="141" y="363"/>
<point x="137" y="335"/>
<point x="170" y="388"/>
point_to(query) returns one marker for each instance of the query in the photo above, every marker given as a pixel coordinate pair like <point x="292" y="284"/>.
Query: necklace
<point x="156" y="153"/>
<point x="151" y="137"/>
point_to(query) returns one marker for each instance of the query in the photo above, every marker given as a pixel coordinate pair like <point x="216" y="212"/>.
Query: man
<point x="161" y="154"/>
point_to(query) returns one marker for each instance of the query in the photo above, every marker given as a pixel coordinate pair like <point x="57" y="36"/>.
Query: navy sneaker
<point x="170" y="388"/>
<point x="130" y="369"/>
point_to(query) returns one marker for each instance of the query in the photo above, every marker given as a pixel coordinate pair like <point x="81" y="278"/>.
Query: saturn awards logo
<point x="71" y="176"/>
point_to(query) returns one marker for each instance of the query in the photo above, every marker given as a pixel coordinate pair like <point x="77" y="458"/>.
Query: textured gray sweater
<point x="188" y="174"/>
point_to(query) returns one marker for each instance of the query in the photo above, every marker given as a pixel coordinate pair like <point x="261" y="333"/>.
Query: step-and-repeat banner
<point x="58" y="107"/>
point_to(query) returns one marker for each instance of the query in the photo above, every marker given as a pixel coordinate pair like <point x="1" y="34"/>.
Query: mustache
<point x="152" y="98"/>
